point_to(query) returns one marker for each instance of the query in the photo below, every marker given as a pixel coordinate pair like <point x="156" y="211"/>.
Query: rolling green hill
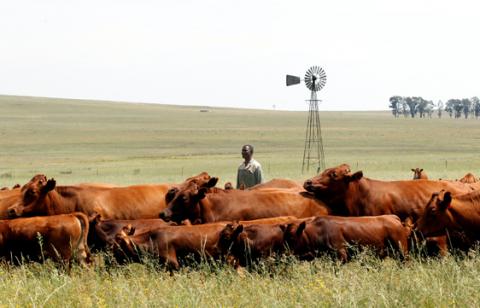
<point x="124" y="143"/>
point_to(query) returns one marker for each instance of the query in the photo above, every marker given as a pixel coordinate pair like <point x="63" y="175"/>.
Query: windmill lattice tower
<point x="313" y="154"/>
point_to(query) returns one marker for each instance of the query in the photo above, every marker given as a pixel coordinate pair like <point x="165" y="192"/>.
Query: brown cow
<point x="59" y="237"/>
<point x="469" y="178"/>
<point x="248" y="243"/>
<point x="170" y="242"/>
<point x="201" y="205"/>
<point x="42" y="197"/>
<point x="351" y="194"/>
<point x="102" y="232"/>
<point x="419" y="174"/>
<point x="335" y="233"/>
<point x="452" y="213"/>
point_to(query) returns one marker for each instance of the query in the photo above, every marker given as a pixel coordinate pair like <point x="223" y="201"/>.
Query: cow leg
<point x="172" y="261"/>
<point x="403" y="247"/>
<point x="437" y="245"/>
<point x="442" y="244"/>
<point x="398" y="241"/>
<point x="84" y="256"/>
<point x="342" y="254"/>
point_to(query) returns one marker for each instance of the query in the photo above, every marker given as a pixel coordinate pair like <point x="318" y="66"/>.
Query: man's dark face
<point x="246" y="153"/>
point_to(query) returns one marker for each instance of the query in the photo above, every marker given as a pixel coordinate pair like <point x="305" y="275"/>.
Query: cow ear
<point x="49" y="186"/>
<point x="300" y="228"/>
<point x="170" y="194"/>
<point x="284" y="227"/>
<point x="186" y="222"/>
<point x="211" y="183"/>
<point x="95" y="216"/>
<point x="202" y="192"/>
<point x="447" y="200"/>
<point x="356" y="176"/>
<point x="128" y="229"/>
<point x="237" y="231"/>
<point x="413" y="170"/>
<point x="421" y="170"/>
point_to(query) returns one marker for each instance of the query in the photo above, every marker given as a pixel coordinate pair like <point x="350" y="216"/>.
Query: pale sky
<point x="237" y="53"/>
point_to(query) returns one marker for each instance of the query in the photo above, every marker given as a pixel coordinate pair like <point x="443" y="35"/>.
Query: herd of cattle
<point x="329" y="212"/>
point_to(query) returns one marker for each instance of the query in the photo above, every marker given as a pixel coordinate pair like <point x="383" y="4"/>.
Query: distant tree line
<point x="413" y="106"/>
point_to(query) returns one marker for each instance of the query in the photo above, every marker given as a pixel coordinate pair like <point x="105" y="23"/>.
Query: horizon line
<point x="181" y="105"/>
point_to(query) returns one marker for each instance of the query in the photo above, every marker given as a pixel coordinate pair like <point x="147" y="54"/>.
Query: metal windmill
<point x="315" y="79"/>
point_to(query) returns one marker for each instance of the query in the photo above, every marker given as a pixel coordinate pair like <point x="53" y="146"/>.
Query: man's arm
<point x="258" y="175"/>
<point x="238" y="179"/>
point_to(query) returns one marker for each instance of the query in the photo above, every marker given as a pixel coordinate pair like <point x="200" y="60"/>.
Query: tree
<point x="423" y="106"/>
<point x="404" y="108"/>
<point x="429" y="108"/>
<point x="439" y="109"/>
<point x="395" y="102"/>
<point x="466" y="106"/>
<point x="449" y="107"/>
<point x="412" y="105"/>
<point x="456" y="107"/>
<point x="476" y="106"/>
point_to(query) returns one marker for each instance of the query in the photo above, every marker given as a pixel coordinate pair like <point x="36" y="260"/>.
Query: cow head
<point x="123" y="247"/>
<point x="468" y="178"/>
<point x="332" y="182"/>
<point x="248" y="243"/>
<point x="436" y="217"/>
<point x="203" y="180"/>
<point x="182" y="200"/>
<point x="32" y="198"/>
<point x="296" y="239"/>
<point x="184" y="204"/>
<point x="229" y="235"/>
<point x="418" y="174"/>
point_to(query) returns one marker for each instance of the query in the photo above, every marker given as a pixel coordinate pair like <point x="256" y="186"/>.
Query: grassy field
<point x="84" y="141"/>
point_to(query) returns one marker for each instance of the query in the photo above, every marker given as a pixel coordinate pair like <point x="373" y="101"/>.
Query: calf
<point x="60" y="237"/>
<point x="469" y="178"/>
<point x="334" y="233"/>
<point x="103" y="232"/>
<point x="419" y="174"/>
<point x="445" y="212"/>
<point x="248" y="243"/>
<point x="170" y="242"/>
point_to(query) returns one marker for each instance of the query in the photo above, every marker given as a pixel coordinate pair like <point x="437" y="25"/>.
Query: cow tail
<point x="82" y="241"/>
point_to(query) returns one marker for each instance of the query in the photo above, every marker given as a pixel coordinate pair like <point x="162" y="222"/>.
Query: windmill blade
<point x="315" y="78"/>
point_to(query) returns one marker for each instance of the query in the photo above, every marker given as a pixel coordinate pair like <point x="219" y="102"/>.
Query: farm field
<point x="122" y="143"/>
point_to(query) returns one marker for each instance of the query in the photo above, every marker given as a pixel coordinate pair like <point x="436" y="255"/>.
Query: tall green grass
<point x="84" y="141"/>
<point x="365" y="281"/>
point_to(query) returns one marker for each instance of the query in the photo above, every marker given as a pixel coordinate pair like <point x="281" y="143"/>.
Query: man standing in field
<point x="250" y="171"/>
